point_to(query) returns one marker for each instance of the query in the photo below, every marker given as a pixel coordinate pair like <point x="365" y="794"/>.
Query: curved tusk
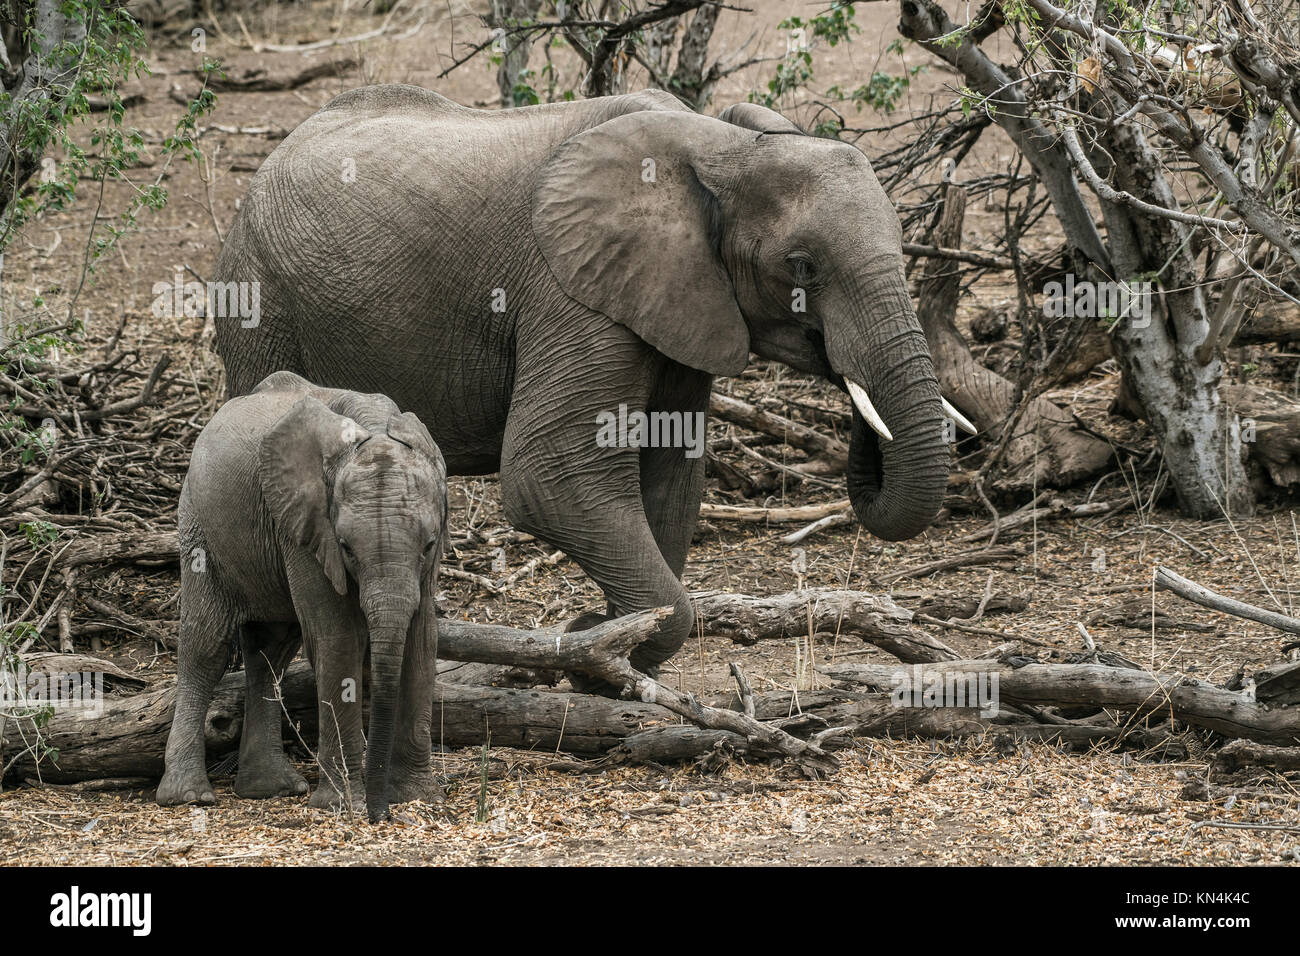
<point x="867" y="410"/>
<point x="962" y="421"/>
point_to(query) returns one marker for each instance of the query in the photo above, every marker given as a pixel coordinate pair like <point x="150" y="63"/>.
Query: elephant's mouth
<point x="866" y="472"/>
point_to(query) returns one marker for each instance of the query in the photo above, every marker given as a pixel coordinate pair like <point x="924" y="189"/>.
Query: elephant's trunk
<point x="388" y="623"/>
<point x="896" y="485"/>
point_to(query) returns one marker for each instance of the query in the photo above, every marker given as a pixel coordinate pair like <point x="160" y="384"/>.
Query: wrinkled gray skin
<point x="311" y="516"/>
<point x="616" y="290"/>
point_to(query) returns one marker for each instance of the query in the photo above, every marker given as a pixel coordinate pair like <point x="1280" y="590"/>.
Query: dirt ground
<point x="893" y="802"/>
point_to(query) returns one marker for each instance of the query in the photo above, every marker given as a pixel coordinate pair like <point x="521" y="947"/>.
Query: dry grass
<point x="893" y="802"/>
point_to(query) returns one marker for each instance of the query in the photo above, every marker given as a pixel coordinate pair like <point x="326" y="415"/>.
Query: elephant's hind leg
<point x="264" y="770"/>
<point x="207" y="637"/>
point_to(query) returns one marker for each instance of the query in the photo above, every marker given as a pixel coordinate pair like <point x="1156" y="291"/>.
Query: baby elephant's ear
<point x="410" y="431"/>
<point x="292" y="461"/>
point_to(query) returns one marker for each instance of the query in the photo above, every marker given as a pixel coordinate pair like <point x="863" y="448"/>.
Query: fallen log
<point x="1167" y="580"/>
<point x="873" y="618"/>
<point x="1271" y="322"/>
<point x="126" y="737"/>
<point x="1139" y="692"/>
<point x="601" y="652"/>
<point x="961" y="605"/>
<point x="1271" y="429"/>
<point x="1240" y="754"/>
<point x="259" y="81"/>
<point x="1279" y="685"/>
<point x="124" y="548"/>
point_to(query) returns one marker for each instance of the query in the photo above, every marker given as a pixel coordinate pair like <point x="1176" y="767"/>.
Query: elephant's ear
<point x="292" y="462"/>
<point x="627" y="224"/>
<point x="758" y="118"/>
<point x="410" y="431"/>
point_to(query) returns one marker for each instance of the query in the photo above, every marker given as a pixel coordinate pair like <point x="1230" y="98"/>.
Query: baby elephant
<point x="315" y="516"/>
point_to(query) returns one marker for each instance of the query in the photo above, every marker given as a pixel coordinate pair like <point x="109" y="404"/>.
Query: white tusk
<point x="962" y="421"/>
<point x="864" y="406"/>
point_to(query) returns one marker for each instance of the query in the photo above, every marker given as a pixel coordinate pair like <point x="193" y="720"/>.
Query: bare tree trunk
<point x="1046" y="438"/>
<point x="1134" y="691"/>
<point x="515" y="48"/>
<point x="1201" y="442"/>
<point x="691" y="81"/>
<point x="1179" y="392"/>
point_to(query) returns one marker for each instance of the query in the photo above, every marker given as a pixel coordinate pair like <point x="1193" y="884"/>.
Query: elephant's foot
<point x="326" y="797"/>
<point x="584" y="683"/>
<point x="422" y="785"/>
<point x="180" y="787"/>
<point x="276" y="778"/>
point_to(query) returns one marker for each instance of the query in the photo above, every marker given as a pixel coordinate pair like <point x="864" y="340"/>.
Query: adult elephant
<point x="511" y="276"/>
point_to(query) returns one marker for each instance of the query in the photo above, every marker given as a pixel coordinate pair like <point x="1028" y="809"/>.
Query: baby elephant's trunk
<point x="388" y="630"/>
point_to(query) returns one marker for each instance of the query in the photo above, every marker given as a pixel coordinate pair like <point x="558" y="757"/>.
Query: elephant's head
<point x="371" y="507"/>
<point x="710" y="238"/>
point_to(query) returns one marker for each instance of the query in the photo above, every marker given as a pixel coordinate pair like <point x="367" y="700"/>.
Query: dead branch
<point x="1167" y="580"/>
<point x="872" y="618"/>
<point x="791" y="432"/>
<point x="963" y="559"/>
<point x="1138" y="692"/>
<point x="714" y="512"/>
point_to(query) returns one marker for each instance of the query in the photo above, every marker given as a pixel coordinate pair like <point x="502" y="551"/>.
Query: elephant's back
<point x="221" y="507"/>
<point x="394" y="97"/>
<point x="395" y="171"/>
<point x="390" y="234"/>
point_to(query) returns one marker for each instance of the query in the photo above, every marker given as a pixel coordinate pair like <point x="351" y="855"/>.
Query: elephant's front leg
<point x="672" y="478"/>
<point x="564" y="480"/>
<point x="333" y="633"/>
<point x="341" y="750"/>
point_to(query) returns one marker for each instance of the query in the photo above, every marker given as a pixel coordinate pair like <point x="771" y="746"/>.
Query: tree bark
<point x="1179" y="392"/>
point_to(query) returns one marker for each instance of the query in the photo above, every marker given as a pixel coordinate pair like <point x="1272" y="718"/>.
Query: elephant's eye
<point x="345" y="548"/>
<point x="428" y="548"/>
<point x="802" y="267"/>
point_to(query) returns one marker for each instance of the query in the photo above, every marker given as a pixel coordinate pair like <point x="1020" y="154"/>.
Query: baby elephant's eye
<point x="428" y="548"/>
<point x="345" y="547"/>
